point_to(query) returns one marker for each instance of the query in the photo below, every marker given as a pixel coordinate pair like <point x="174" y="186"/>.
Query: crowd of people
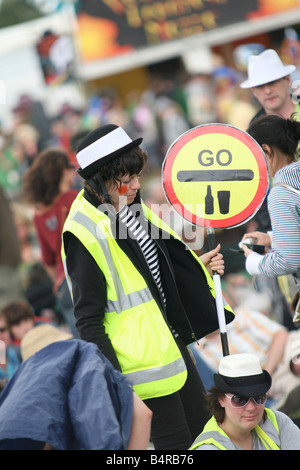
<point x="50" y="173"/>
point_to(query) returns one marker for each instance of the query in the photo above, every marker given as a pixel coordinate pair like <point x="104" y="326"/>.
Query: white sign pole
<point x="219" y="297"/>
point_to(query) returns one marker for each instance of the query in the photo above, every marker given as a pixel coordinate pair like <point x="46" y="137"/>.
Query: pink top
<point x="49" y="226"/>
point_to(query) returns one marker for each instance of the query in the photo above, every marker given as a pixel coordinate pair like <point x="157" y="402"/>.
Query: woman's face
<point x="125" y="191"/>
<point x="243" y="419"/>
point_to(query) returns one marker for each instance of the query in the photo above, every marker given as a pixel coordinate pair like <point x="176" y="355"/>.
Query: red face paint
<point x="122" y="189"/>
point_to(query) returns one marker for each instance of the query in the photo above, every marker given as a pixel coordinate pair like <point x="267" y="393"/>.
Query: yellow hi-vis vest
<point x="146" y="350"/>
<point x="213" y="434"/>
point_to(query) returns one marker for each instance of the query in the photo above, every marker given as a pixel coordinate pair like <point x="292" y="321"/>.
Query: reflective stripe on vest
<point x="124" y="301"/>
<point x="147" y="352"/>
<point x="266" y="440"/>
<point x="213" y="434"/>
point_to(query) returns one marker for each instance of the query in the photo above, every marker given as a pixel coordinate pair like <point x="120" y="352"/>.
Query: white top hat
<point x="264" y="68"/>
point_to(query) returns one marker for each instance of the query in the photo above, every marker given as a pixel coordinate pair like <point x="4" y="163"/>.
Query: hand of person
<point x="213" y="261"/>
<point x="247" y="250"/>
<point x="260" y="238"/>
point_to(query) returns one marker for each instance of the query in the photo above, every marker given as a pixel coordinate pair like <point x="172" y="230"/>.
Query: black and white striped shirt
<point x="147" y="245"/>
<point x="284" y="209"/>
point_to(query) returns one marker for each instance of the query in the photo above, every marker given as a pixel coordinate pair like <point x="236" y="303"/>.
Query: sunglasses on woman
<point x="240" y="402"/>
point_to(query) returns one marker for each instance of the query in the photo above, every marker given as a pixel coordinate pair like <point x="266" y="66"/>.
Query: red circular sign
<point x="217" y="162"/>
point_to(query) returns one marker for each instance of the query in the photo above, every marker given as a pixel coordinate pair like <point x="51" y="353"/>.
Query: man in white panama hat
<point x="270" y="82"/>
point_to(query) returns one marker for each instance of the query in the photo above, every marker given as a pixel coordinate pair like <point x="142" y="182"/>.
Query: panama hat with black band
<point x="241" y="374"/>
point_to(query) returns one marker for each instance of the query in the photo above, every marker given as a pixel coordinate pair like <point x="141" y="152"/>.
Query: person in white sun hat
<point x="240" y="420"/>
<point x="270" y="82"/>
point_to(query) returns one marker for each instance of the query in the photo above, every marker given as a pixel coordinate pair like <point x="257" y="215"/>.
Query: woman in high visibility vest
<point x="240" y="420"/>
<point x="139" y="293"/>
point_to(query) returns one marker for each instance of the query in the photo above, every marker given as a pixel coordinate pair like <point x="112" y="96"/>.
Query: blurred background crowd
<point x="160" y="114"/>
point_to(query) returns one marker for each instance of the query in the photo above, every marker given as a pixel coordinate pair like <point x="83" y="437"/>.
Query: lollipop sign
<point x="216" y="176"/>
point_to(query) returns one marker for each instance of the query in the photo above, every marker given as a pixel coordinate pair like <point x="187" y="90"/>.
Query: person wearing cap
<point x="47" y="187"/>
<point x="139" y="293"/>
<point x="240" y="420"/>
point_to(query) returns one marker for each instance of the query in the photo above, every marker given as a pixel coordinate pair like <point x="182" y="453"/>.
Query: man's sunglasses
<point x="240" y="402"/>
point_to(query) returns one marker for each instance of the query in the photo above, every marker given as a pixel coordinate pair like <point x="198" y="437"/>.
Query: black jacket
<point x="190" y="307"/>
